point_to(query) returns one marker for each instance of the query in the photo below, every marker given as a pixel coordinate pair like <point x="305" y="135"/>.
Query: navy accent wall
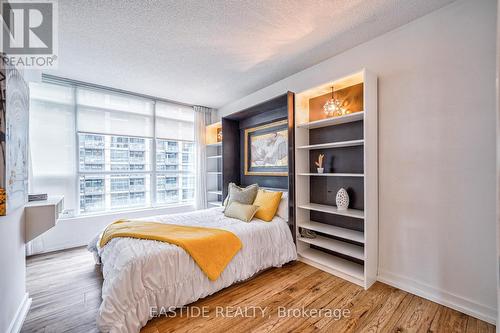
<point x="233" y="150"/>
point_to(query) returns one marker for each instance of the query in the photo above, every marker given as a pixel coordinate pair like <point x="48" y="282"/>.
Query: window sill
<point x="150" y="211"/>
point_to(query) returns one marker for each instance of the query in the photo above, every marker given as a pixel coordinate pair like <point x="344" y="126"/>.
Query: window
<point x="131" y="152"/>
<point x="187" y="195"/>
<point x="172" y="172"/>
<point x="119" y="200"/>
<point x="117" y="154"/>
<point x="52" y="124"/>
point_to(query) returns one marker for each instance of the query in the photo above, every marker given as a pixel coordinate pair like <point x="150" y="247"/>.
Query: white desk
<point x="42" y="215"/>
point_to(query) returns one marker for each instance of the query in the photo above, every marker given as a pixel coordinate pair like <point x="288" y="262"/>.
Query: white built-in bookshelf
<point x="214" y="166"/>
<point x="346" y="242"/>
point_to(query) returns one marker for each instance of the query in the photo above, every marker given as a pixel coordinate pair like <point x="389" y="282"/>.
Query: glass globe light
<point x="333" y="107"/>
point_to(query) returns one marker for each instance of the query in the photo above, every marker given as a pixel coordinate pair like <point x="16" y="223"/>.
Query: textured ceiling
<point x="213" y="52"/>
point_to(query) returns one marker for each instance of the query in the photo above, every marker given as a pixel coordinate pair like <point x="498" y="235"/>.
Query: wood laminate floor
<point x="66" y="291"/>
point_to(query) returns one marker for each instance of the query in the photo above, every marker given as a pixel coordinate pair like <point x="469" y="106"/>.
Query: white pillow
<point x="283" y="207"/>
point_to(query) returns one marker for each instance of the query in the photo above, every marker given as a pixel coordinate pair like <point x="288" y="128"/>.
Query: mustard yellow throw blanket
<point x="212" y="249"/>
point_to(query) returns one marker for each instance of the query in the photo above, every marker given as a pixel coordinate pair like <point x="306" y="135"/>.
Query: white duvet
<point x="140" y="274"/>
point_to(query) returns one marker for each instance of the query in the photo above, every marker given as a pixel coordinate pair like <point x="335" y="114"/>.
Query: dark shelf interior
<point x="233" y="127"/>
<point x="340" y="132"/>
<point x="323" y="190"/>
<point x="340" y="255"/>
<point x="338" y="160"/>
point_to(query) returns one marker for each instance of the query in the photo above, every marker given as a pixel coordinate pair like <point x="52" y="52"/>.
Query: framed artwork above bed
<point x="266" y="150"/>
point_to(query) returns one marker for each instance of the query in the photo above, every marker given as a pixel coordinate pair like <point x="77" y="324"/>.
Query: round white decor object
<point x="342" y="199"/>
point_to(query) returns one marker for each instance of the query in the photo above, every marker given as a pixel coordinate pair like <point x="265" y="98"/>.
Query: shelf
<point x="40" y="216"/>
<point x="334" y="263"/>
<point x="218" y="144"/>
<point x="333" y="174"/>
<point x="337" y="249"/>
<point x="334" y="120"/>
<point x="360" y="214"/>
<point x="215" y="192"/>
<point x="211" y="132"/>
<point x="339" y="144"/>
<point x="216" y="156"/>
<point x="215" y="203"/>
<point x="353" y="235"/>
<point x="347" y="249"/>
<point x="214" y="173"/>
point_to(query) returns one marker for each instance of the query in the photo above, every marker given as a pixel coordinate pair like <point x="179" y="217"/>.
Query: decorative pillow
<point x="283" y="207"/>
<point x="240" y="211"/>
<point x="242" y="195"/>
<point x="268" y="203"/>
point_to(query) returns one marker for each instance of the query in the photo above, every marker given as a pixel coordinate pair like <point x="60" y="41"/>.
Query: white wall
<point x="498" y="163"/>
<point x="14" y="301"/>
<point x="436" y="151"/>
<point x="79" y="231"/>
<point x="12" y="268"/>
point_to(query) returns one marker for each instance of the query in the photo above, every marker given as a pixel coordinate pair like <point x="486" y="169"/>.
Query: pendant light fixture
<point x="333" y="107"/>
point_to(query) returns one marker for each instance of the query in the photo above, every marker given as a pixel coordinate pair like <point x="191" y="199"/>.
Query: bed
<point x="144" y="274"/>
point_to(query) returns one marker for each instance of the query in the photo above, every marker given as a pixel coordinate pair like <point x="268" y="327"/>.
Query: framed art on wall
<point x="266" y="150"/>
<point x="13" y="140"/>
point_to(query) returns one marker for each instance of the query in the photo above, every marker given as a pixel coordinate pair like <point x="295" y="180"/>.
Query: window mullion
<point x="77" y="153"/>
<point x="153" y="182"/>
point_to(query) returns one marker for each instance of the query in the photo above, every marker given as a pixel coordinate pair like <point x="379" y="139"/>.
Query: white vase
<point x="320" y="170"/>
<point x="342" y="199"/>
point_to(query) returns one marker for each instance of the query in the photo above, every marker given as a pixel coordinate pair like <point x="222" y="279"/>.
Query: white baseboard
<point x="459" y="303"/>
<point x="66" y="246"/>
<point x="21" y="313"/>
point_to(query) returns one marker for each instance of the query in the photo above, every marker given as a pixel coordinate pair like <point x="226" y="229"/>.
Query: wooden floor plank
<point x="257" y="289"/>
<point x="472" y="325"/>
<point x="276" y="322"/>
<point x="379" y="320"/>
<point x="418" y="316"/>
<point x="66" y="291"/>
<point x="284" y="297"/>
<point x="359" y="309"/>
<point x="318" y="303"/>
<point x="340" y="301"/>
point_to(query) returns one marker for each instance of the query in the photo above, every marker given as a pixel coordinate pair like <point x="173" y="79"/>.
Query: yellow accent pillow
<point x="268" y="203"/>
